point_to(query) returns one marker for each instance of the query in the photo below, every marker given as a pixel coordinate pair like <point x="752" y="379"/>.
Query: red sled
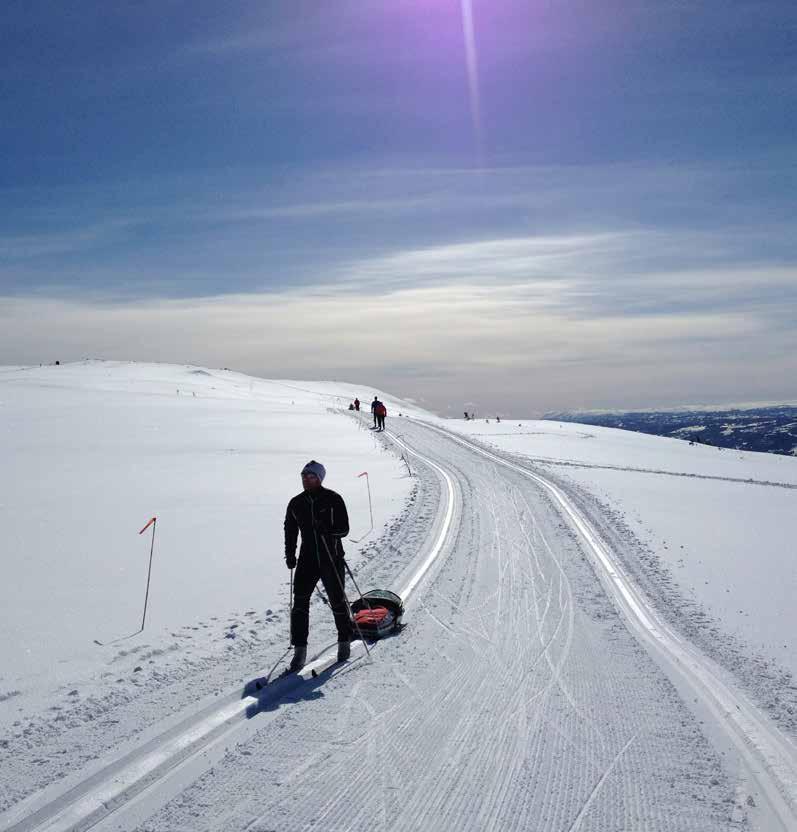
<point x="377" y="614"/>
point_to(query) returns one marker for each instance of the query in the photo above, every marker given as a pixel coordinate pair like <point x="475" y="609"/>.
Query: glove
<point x="290" y="560"/>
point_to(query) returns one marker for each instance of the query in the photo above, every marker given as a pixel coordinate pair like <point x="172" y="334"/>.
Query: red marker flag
<point x="151" y="521"/>
<point x="364" y="474"/>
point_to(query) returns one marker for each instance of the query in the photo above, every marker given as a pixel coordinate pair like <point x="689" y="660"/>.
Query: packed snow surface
<point x="717" y="526"/>
<point x="93" y="450"/>
<point x="522" y="694"/>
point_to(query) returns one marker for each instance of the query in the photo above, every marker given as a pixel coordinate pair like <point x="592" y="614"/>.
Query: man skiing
<point x="380" y="411"/>
<point x="357" y="405"/>
<point x="374" y="403"/>
<point x="320" y="515"/>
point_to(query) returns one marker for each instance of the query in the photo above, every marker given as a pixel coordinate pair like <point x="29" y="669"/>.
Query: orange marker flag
<point x="151" y="521"/>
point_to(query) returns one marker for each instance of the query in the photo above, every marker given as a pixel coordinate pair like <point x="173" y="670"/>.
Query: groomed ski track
<point x="516" y="698"/>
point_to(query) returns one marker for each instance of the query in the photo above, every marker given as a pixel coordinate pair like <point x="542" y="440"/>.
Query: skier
<point x="320" y="515"/>
<point x="357" y="405"/>
<point x="380" y="411"/>
<point x="374" y="403"/>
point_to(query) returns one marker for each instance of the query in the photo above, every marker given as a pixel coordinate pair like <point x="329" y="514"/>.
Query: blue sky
<point x="570" y="204"/>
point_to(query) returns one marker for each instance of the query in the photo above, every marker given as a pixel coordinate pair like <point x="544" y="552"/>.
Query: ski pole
<point x="290" y="614"/>
<point x="352" y="619"/>
<point x="351" y="575"/>
<point x="153" y="522"/>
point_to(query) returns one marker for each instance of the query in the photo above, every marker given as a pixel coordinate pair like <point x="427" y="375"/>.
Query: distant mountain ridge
<point x="769" y="429"/>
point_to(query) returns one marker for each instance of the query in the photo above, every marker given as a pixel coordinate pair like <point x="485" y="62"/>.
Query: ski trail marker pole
<point x="370" y="507"/>
<point x="153" y="522"/>
<point x="368" y="484"/>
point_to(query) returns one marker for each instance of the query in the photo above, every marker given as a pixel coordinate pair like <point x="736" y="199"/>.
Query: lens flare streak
<point x="473" y="72"/>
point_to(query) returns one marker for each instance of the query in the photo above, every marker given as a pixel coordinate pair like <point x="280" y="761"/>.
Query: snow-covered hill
<point x="92" y="450"/>
<point x="588" y="609"/>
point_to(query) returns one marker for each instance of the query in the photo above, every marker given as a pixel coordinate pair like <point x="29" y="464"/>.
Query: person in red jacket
<point x="380" y="411"/>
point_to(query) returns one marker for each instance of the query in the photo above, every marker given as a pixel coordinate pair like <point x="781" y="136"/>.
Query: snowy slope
<point x="711" y="532"/>
<point x="92" y="450"/>
<point x="525" y="693"/>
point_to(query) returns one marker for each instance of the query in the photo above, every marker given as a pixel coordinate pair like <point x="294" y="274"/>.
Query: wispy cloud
<point x="598" y="275"/>
<point x="434" y="342"/>
<point x="17" y="247"/>
<point x="301" y="31"/>
<point x="554" y="259"/>
<point x="333" y="225"/>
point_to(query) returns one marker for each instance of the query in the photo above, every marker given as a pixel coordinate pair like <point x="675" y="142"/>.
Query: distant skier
<point x="357" y="405"/>
<point x="380" y="411"/>
<point x="320" y="515"/>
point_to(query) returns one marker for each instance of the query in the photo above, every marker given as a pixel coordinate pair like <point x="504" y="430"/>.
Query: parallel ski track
<point x="520" y="704"/>
<point x="541" y="610"/>
<point x="503" y="670"/>
<point x="572" y="463"/>
<point x="109" y="789"/>
<point x="771" y="757"/>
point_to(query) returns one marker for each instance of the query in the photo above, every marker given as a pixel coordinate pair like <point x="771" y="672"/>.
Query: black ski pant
<point x="332" y="574"/>
<point x="380" y="422"/>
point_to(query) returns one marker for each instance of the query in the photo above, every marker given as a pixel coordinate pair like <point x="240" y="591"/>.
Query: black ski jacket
<point x="322" y="519"/>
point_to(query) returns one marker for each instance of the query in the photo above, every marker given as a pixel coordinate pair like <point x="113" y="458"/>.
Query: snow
<point x="520" y="694"/>
<point x="691" y="429"/>
<point x="720" y="523"/>
<point x="93" y="450"/>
